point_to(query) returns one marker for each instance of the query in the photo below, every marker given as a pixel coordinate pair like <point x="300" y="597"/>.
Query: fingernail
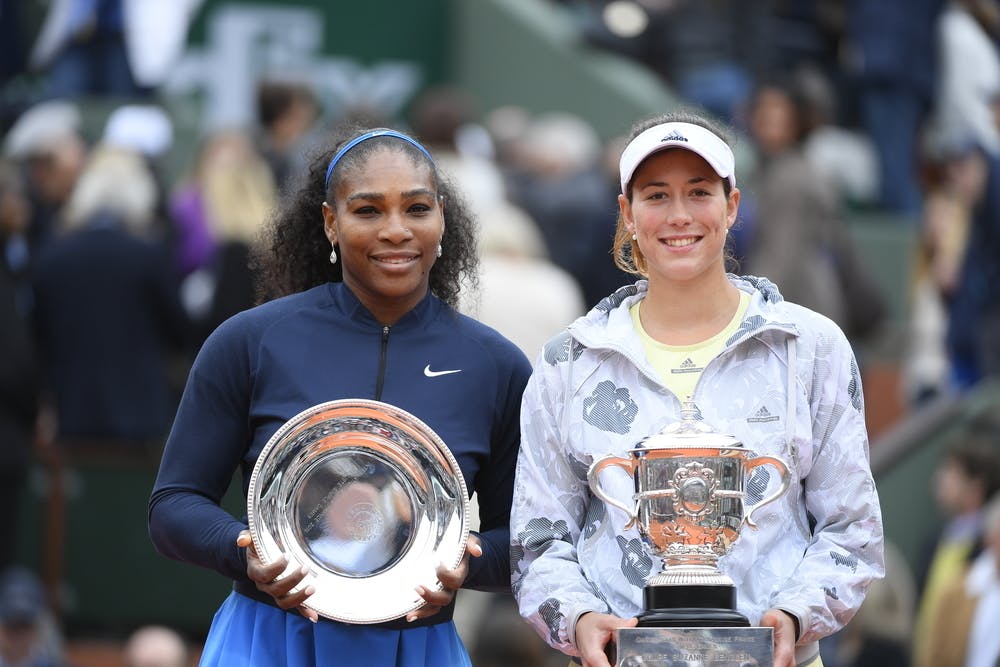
<point x="310" y="590"/>
<point x="410" y="618"/>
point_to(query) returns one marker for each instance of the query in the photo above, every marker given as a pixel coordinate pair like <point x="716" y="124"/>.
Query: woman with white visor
<point x="778" y="377"/>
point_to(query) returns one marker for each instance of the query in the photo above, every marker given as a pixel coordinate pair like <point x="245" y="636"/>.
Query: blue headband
<point x="371" y="135"/>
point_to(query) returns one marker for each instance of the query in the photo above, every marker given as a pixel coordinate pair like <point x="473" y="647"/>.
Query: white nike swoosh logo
<point x="433" y="374"/>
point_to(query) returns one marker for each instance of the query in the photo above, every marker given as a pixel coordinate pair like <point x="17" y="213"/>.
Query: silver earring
<point x="438" y="251"/>
<point x="333" y="256"/>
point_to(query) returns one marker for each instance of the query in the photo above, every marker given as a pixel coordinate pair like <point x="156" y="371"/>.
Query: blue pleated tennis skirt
<point x="247" y="632"/>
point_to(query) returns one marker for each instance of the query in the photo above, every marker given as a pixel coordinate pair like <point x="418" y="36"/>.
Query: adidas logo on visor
<point x="674" y="136"/>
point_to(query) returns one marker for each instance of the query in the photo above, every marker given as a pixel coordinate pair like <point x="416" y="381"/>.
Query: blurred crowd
<point x="891" y="107"/>
<point x="111" y="274"/>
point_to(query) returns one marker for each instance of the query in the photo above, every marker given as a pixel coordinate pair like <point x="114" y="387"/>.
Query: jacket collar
<point x="348" y="303"/>
<point x="607" y="324"/>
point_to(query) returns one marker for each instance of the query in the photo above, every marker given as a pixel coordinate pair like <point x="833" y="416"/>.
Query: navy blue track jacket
<point x="267" y="364"/>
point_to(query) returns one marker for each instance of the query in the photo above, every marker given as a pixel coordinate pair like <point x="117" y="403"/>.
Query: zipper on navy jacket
<point x="381" y="363"/>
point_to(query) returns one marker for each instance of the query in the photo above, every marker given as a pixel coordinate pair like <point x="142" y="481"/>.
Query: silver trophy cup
<point x="689" y="509"/>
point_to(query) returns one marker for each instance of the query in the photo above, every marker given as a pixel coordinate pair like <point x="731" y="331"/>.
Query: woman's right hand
<point x="266" y="579"/>
<point x="593" y="634"/>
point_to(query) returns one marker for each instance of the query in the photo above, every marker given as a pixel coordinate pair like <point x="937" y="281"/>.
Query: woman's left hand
<point x="784" y="636"/>
<point x="451" y="580"/>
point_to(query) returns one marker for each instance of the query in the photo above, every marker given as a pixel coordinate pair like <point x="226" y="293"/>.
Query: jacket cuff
<point x="571" y="627"/>
<point x="799" y="617"/>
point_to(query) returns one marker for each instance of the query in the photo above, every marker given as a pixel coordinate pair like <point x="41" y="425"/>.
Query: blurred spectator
<point x="200" y="204"/>
<point x="983" y="583"/>
<point x="506" y="125"/>
<point x="893" y="61"/>
<point x="232" y="198"/>
<point x="220" y="211"/>
<point x="110" y="47"/>
<point x="156" y="646"/>
<point x="964" y="633"/>
<point x="966" y="114"/>
<point x="148" y="131"/>
<point x="28" y="635"/>
<point x="968" y="31"/>
<point x="18" y="381"/>
<point x="965" y="480"/>
<point x="842" y="155"/>
<point x="46" y="141"/>
<point x="963" y="110"/>
<point x="522" y="294"/>
<point x="443" y="119"/>
<point x="974" y="307"/>
<point x="194" y="244"/>
<point x="287" y="112"/>
<point x="82" y="50"/>
<point x="797" y="237"/>
<point x="107" y="310"/>
<point x="955" y="177"/>
<point x="559" y="180"/>
<point x="143" y="128"/>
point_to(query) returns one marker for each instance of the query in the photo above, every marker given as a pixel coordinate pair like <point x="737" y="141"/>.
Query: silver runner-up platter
<point x="368" y="498"/>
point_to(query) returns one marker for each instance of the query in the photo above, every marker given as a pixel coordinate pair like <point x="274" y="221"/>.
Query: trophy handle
<point x="595" y="484"/>
<point x="785" y="481"/>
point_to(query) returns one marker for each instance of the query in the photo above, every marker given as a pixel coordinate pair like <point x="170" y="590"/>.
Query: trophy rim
<point x="677" y="441"/>
<point x="387" y="594"/>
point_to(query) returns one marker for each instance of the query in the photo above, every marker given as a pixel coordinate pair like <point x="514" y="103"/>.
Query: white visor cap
<point x="692" y="137"/>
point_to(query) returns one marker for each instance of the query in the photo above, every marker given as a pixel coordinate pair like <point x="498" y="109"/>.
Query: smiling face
<point x="680" y="214"/>
<point x="386" y="223"/>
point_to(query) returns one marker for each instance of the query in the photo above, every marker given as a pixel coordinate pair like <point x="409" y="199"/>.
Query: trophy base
<point x="692" y="618"/>
<point x="692" y="606"/>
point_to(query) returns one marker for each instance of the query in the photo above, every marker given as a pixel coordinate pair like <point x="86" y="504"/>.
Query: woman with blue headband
<point x="360" y="273"/>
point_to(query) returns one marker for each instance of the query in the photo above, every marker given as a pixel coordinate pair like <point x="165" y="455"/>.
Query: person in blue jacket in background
<point x="363" y="269"/>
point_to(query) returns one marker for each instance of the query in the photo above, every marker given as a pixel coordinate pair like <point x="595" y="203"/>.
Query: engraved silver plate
<point x="368" y="498"/>
<point x="694" y="647"/>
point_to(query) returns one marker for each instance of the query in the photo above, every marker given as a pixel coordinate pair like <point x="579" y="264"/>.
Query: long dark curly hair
<point x="293" y="252"/>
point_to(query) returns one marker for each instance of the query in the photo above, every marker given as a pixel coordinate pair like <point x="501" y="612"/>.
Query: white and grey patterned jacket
<point x="593" y="393"/>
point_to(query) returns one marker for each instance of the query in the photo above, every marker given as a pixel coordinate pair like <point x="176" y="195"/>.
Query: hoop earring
<point x="333" y="256"/>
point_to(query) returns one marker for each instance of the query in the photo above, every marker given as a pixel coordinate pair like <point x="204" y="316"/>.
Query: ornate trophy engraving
<point x="689" y="509"/>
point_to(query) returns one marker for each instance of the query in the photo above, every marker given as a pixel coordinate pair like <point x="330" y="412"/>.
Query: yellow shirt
<point x="680" y="366"/>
